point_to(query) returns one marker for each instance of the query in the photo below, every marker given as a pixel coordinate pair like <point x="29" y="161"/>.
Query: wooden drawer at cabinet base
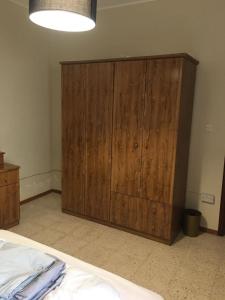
<point x="149" y="217"/>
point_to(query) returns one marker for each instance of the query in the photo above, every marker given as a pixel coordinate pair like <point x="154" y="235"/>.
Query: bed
<point x="125" y="289"/>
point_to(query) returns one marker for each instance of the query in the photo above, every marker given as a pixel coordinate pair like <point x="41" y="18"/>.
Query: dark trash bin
<point x="191" y="222"/>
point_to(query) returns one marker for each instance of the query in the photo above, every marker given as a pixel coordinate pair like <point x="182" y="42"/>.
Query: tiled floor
<point x="193" y="268"/>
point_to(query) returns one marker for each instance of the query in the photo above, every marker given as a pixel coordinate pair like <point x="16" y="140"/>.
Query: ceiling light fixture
<point x="64" y="15"/>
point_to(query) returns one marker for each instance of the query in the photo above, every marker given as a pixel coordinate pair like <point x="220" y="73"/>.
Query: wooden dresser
<point x="9" y="196"/>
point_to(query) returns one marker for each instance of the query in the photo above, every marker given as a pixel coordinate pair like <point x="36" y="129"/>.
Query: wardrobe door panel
<point x="160" y="122"/>
<point x="163" y="87"/>
<point x="142" y="215"/>
<point x="129" y="90"/>
<point x="73" y="137"/>
<point x="158" y="165"/>
<point x="98" y="139"/>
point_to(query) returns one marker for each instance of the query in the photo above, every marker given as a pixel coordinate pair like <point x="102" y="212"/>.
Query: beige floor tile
<point x="218" y="288"/>
<point x="204" y="255"/>
<point x="46" y="220"/>
<point x="182" y="291"/>
<point x="137" y="246"/>
<point x="192" y="281"/>
<point x="221" y="268"/>
<point x="48" y="236"/>
<point x="123" y="264"/>
<point x="28" y="213"/>
<point x="87" y="232"/>
<point x="27" y="229"/>
<point x="196" y="279"/>
<point x="156" y="272"/>
<point x="95" y="253"/>
<point x="69" y="245"/>
<point x="208" y="241"/>
<point x="66" y="226"/>
<point x="113" y="239"/>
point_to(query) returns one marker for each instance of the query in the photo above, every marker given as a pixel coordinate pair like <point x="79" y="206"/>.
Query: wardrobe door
<point x="98" y="139"/>
<point x="129" y="90"/>
<point x="160" y="121"/>
<point x="73" y="137"/>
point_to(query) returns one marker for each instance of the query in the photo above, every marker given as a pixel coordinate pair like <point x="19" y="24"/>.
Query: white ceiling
<point x="102" y="4"/>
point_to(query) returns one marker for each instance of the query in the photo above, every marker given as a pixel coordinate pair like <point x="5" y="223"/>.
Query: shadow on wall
<point x="198" y="141"/>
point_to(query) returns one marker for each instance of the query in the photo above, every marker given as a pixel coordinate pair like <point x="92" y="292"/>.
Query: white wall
<point x="161" y="27"/>
<point x="24" y="98"/>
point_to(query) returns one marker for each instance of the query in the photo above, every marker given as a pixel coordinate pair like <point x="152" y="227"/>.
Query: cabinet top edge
<point x="8" y="167"/>
<point x="176" y="55"/>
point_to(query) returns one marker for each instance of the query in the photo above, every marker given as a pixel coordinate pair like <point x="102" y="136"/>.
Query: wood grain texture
<point x="160" y="121"/>
<point x="73" y="137"/>
<point x="8" y="177"/>
<point x="129" y="91"/>
<point x="99" y="89"/>
<point x="142" y="215"/>
<point x="185" y="106"/>
<point x="9" y="196"/>
<point x="152" y="57"/>
<point x="135" y="127"/>
<point x="11" y="213"/>
<point x="8" y="167"/>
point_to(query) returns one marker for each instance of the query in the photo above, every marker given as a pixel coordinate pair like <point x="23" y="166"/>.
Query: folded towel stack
<point x="26" y="273"/>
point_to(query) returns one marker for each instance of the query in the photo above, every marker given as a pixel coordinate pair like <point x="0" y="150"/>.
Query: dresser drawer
<point x="9" y="206"/>
<point x="9" y="177"/>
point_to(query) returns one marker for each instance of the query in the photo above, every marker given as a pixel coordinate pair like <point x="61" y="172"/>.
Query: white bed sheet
<point x="126" y="289"/>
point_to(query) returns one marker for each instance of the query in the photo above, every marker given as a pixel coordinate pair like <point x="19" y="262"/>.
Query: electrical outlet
<point x="208" y="198"/>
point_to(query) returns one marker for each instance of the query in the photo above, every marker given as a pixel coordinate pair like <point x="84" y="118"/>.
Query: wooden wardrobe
<point x="125" y="140"/>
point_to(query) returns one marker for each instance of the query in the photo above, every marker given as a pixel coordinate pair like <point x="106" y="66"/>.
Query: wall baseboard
<point x="39" y="196"/>
<point x="56" y="191"/>
<point x="35" y="184"/>
<point x="208" y="230"/>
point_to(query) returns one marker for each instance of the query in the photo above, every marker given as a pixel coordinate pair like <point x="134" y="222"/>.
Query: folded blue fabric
<point x="21" y="265"/>
<point x="44" y="283"/>
<point x="41" y="295"/>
